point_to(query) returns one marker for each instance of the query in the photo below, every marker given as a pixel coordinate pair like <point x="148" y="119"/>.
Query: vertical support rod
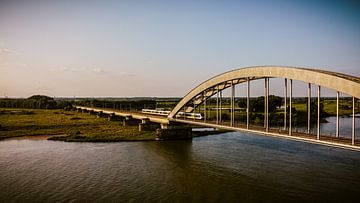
<point x="337" y="114"/>
<point x="209" y="109"/>
<point x="285" y="104"/>
<point x="267" y="104"/>
<point x="217" y="106"/>
<point x="309" y="108"/>
<point x="265" y="93"/>
<point x="205" y="113"/>
<point x="290" y="109"/>
<point x="353" y="122"/>
<point x="234" y="95"/>
<point x="247" y="103"/>
<point x="194" y="111"/>
<point x="220" y="104"/>
<point x="318" y="113"/>
<point x="184" y="113"/>
<point x="232" y="104"/>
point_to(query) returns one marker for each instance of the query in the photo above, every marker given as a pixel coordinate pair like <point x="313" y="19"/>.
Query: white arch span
<point x="340" y="82"/>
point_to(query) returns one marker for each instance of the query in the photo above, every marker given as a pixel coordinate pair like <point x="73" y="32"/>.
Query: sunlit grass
<point x="71" y="125"/>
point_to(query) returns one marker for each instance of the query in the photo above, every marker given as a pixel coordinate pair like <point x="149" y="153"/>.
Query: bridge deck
<point x="304" y="137"/>
<point x="135" y="115"/>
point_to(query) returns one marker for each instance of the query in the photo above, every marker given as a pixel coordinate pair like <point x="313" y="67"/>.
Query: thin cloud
<point x="8" y="51"/>
<point x="98" y="71"/>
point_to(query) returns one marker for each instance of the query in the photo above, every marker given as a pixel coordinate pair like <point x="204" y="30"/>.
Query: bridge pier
<point x="92" y="112"/>
<point x="173" y="132"/>
<point x="129" y="121"/>
<point x="147" y="125"/>
<point x="84" y="111"/>
<point x="113" y="117"/>
<point x="100" y="114"/>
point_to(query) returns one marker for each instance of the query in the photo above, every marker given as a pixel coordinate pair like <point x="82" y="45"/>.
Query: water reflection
<point x="228" y="167"/>
<point x="329" y="128"/>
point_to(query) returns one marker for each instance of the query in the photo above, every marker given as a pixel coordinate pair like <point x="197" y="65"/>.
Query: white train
<point x="162" y="112"/>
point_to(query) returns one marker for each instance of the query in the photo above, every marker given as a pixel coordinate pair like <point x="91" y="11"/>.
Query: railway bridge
<point x="197" y="100"/>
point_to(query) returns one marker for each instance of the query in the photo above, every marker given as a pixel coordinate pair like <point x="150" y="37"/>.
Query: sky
<point x="85" y="48"/>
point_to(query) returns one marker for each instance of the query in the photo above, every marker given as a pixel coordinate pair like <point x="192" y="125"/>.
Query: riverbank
<point x="66" y="126"/>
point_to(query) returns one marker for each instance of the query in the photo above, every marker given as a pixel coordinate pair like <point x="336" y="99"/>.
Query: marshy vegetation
<point x="66" y="125"/>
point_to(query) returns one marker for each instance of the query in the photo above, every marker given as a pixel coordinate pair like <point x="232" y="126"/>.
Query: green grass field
<point x="345" y="107"/>
<point x="72" y="126"/>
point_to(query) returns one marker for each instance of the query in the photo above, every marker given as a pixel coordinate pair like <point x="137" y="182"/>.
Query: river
<point x="329" y="128"/>
<point x="229" y="167"/>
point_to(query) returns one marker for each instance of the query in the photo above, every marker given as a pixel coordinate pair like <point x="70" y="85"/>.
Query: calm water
<point x="329" y="128"/>
<point x="231" y="167"/>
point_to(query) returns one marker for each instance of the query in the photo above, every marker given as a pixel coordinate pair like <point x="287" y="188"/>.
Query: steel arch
<point x="340" y="82"/>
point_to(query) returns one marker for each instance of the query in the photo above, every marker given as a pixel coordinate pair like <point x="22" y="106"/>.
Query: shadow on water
<point x="198" y="175"/>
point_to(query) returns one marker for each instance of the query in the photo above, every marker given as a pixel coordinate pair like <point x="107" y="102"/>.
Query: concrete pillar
<point x="129" y="121"/>
<point x="353" y="122"/>
<point x="309" y="108"/>
<point x="92" y="112"/>
<point x="290" y="109"/>
<point x="147" y="125"/>
<point x="205" y="113"/>
<point x="337" y="114"/>
<point x="217" y="106"/>
<point x="318" y="114"/>
<point x="100" y="114"/>
<point x="285" y="104"/>
<point x="247" y="103"/>
<point x="220" y="104"/>
<point x="267" y="104"/>
<point x="113" y="117"/>
<point x="232" y="105"/>
<point x="265" y="93"/>
<point x="173" y="132"/>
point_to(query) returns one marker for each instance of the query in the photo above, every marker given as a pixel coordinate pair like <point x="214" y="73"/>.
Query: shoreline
<point x="62" y="137"/>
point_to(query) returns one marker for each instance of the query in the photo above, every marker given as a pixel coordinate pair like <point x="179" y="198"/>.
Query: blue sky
<point x="165" y="48"/>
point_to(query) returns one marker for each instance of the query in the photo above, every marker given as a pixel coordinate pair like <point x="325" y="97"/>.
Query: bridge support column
<point x="220" y="105"/>
<point x="290" y="109"/>
<point x="84" y="111"/>
<point x="337" y="115"/>
<point x="309" y="108"/>
<point x="318" y="113"/>
<point x="147" y="125"/>
<point x="173" y="132"/>
<point x="205" y="113"/>
<point x="265" y="93"/>
<point x="100" y="114"/>
<point x="217" y="105"/>
<point x="92" y="112"/>
<point x="353" y="122"/>
<point x="247" y="103"/>
<point x="79" y="110"/>
<point x="113" y="117"/>
<point x="129" y="121"/>
<point x="285" y="104"/>
<point x="267" y="104"/>
<point x="232" y="105"/>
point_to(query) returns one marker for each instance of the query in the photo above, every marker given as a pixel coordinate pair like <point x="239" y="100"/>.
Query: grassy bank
<point x="72" y="126"/>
